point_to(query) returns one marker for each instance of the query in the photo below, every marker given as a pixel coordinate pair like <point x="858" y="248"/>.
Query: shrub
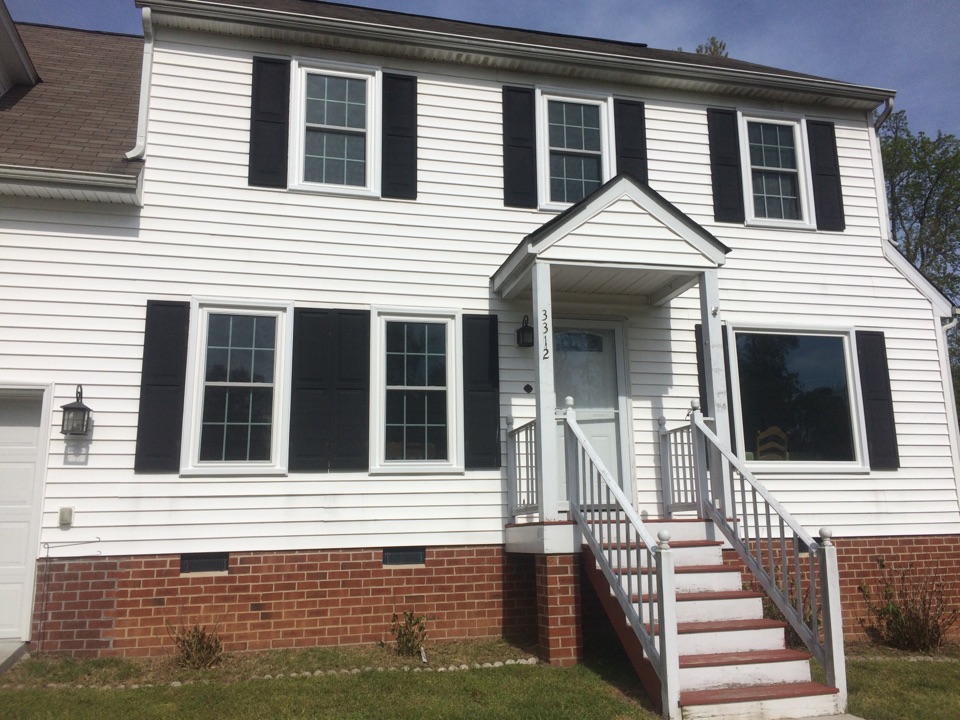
<point x="909" y="610"/>
<point x="410" y="633"/>
<point x="197" y="647"/>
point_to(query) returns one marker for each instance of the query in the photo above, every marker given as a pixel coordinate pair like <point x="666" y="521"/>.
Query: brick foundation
<point x="558" y="609"/>
<point x="932" y="555"/>
<point x="121" y="606"/>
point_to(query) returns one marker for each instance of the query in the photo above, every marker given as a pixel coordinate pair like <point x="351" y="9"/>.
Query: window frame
<point x="200" y="310"/>
<point x="607" y="138"/>
<point x="807" y="219"/>
<point x="300" y="68"/>
<point x="860" y="463"/>
<point x="379" y="317"/>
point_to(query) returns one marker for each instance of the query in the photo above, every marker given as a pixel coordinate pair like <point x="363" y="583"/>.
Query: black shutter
<point x="162" y="379"/>
<point x="519" y="148"/>
<point x="269" y="110"/>
<point x="330" y="390"/>
<point x="705" y="408"/>
<point x="877" y="401"/>
<point x="825" y="166"/>
<point x="631" y="130"/>
<point x="399" y="173"/>
<point x="481" y="391"/>
<point x="725" y="168"/>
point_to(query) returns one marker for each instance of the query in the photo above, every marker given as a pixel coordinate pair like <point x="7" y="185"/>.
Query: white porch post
<point x="548" y="465"/>
<point x="715" y="376"/>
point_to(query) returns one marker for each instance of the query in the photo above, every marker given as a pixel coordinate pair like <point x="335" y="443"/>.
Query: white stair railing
<point x="799" y="574"/>
<point x="631" y="560"/>
<point x="522" y="494"/>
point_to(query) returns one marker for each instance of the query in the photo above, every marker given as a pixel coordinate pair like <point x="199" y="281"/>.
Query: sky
<point x="909" y="46"/>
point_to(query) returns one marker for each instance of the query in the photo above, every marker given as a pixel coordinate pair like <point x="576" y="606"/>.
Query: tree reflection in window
<point x="798" y="383"/>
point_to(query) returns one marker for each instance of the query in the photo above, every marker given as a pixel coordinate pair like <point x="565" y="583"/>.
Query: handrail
<point x="522" y="492"/>
<point x="770" y="541"/>
<point x="638" y="568"/>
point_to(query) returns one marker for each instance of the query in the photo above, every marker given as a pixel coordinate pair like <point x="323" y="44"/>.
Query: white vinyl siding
<point x="76" y="278"/>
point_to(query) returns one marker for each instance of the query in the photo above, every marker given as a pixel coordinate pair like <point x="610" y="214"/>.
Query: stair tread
<point x="748" y="657"/>
<point x="706" y="626"/>
<point x="701" y="595"/>
<point x="673" y="545"/>
<point x="752" y="693"/>
<point x="684" y="569"/>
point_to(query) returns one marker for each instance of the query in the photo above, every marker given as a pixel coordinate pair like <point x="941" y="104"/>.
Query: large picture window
<point x="796" y="397"/>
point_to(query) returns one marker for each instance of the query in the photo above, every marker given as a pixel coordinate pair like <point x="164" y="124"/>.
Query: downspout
<point x="882" y="117"/>
<point x="140" y="149"/>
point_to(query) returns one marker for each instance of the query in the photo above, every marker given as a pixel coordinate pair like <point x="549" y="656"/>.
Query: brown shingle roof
<point x="82" y="115"/>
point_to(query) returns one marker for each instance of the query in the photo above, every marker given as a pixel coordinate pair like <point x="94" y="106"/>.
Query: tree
<point x="923" y="195"/>
<point x="714" y="47"/>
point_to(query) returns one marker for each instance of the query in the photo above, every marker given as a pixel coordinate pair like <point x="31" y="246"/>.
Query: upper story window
<point x="236" y="406"/>
<point x="775" y="175"/>
<point x="334" y="141"/>
<point x="335" y="134"/>
<point x="574" y="146"/>
<point x="775" y="171"/>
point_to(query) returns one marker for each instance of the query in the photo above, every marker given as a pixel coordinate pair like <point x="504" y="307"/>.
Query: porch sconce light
<point x="525" y="333"/>
<point x="76" y="416"/>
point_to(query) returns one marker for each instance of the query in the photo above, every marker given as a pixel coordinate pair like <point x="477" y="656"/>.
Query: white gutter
<point x="460" y="45"/>
<point x="86" y="185"/>
<point x="145" y="72"/>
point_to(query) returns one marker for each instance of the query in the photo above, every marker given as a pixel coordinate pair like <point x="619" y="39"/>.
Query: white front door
<point x="586" y="363"/>
<point x="21" y="479"/>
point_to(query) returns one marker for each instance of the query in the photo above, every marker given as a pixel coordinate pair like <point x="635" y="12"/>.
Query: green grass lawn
<point x="884" y="685"/>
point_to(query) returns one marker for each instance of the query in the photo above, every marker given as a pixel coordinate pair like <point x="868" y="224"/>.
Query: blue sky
<point x="910" y="46"/>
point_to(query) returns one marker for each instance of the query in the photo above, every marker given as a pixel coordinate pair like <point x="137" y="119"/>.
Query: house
<point x="325" y="274"/>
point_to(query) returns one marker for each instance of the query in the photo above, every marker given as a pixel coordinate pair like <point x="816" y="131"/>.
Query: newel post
<point x="832" y="616"/>
<point x="669" y="643"/>
<point x="699" y="450"/>
<point x="511" y="470"/>
<point x="666" y="469"/>
<point x="571" y="454"/>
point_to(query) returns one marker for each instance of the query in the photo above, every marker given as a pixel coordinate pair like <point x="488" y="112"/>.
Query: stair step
<point x="741" y="658"/>
<point x="708" y="595"/>
<point x="754" y="693"/>
<point x="703" y="638"/>
<point x="714" y="626"/>
<point x="632" y="545"/>
<point x="687" y="578"/>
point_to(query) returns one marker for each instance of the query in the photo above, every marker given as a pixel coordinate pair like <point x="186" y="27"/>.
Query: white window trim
<point x="378" y="383"/>
<point x="200" y="308"/>
<point x="848" y="335"/>
<point x="807" y="219"/>
<point x="607" y="141"/>
<point x="300" y="68"/>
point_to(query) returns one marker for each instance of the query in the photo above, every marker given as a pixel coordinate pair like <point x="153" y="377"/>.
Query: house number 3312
<point x="545" y="321"/>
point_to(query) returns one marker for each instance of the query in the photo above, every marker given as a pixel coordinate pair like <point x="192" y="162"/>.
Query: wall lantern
<point x="525" y="333"/>
<point x="76" y="416"/>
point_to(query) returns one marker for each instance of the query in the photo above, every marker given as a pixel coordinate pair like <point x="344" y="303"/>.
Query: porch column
<point x="548" y="480"/>
<point x="715" y="376"/>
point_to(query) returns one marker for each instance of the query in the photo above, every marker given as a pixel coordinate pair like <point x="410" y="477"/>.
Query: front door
<point x="586" y="368"/>
<point x="21" y="476"/>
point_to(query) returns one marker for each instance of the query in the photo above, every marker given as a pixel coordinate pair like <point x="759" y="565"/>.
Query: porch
<point x="697" y="639"/>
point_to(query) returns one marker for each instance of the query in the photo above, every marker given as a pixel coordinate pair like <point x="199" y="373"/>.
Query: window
<point x="773" y="166"/>
<point x="574" y="145"/>
<point x="797" y="397"/>
<point x="237" y="413"/>
<point x="418" y="403"/>
<point x="333" y="128"/>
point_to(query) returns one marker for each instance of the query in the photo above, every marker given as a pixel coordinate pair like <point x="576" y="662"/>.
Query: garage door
<point x="21" y="478"/>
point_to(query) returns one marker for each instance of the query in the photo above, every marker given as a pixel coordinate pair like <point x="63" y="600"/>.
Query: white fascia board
<point x="277" y="24"/>
<point x="77" y="184"/>
<point x="941" y="305"/>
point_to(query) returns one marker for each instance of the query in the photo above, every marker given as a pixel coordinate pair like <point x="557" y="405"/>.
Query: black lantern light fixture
<point x="525" y="333"/>
<point x="76" y="416"/>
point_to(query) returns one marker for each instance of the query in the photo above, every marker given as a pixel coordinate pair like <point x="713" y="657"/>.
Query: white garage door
<point x="21" y="476"/>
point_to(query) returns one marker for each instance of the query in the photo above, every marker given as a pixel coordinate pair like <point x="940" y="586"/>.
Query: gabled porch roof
<point x="624" y="239"/>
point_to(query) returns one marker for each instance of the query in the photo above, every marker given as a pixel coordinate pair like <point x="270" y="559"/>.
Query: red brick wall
<point x="558" y="608"/>
<point x="122" y="605"/>
<point x="931" y="556"/>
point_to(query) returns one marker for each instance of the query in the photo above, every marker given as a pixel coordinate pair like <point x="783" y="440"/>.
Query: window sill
<point x="233" y="470"/>
<point x="805" y="468"/>
<point x="338" y="190"/>
<point x="417" y="469"/>
<point x="780" y="224"/>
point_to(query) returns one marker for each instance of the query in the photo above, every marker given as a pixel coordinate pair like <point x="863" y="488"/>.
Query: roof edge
<point x="73" y="184"/>
<point x="459" y="44"/>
